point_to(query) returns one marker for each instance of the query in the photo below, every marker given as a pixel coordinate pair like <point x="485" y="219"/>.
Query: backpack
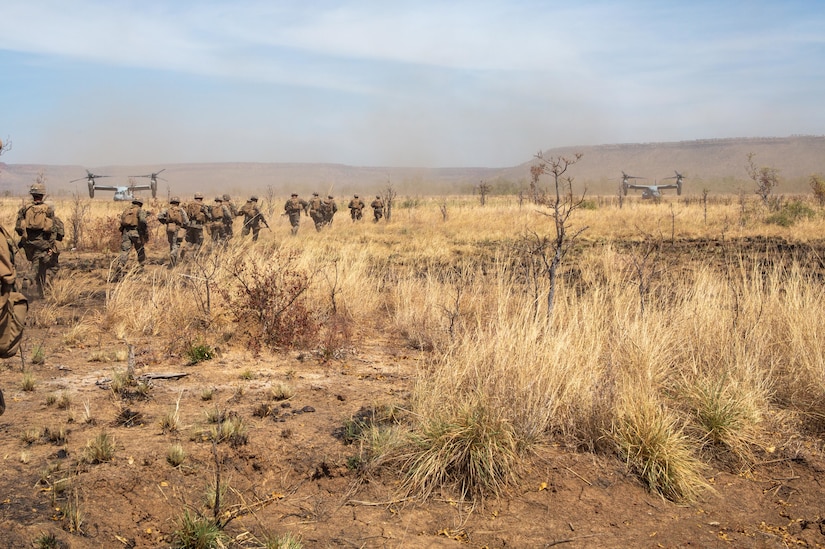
<point x="129" y="218"/>
<point x="14" y="306"/>
<point x="173" y="215"/>
<point x="217" y="212"/>
<point x="195" y="212"/>
<point x="37" y="217"/>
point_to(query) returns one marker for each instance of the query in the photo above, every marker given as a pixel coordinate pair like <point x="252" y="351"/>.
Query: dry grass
<point x="719" y="346"/>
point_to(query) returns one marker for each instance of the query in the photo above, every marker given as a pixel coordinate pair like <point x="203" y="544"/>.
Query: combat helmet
<point x="226" y="198"/>
<point x="253" y="198"/>
<point x="37" y="188"/>
<point x="137" y="200"/>
<point x="174" y="200"/>
<point x="218" y="199"/>
<point x="198" y="196"/>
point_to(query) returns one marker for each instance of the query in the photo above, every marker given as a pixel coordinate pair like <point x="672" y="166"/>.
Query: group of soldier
<point x="323" y="210"/>
<point x="187" y="226"/>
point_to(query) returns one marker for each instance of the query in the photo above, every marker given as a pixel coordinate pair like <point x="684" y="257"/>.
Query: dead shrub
<point x="270" y="302"/>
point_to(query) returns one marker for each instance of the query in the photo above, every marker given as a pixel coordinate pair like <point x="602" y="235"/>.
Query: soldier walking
<point x="293" y="208"/>
<point x="316" y="211"/>
<point x="221" y="216"/>
<point x="234" y="212"/>
<point x="356" y="207"/>
<point x="40" y="230"/>
<point x="330" y="208"/>
<point x="199" y="216"/>
<point x="252" y="218"/>
<point x="134" y="234"/>
<point x="377" y="208"/>
<point x="175" y="219"/>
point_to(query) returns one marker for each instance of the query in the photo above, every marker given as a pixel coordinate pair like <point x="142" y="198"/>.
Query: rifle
<point x="258" y="216"/>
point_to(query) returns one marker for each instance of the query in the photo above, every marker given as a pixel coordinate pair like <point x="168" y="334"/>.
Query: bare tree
<point x="483" y="191"/>
<point x="765" y="177"/>
<point x="817" y="183"/>
<point x="705" y="192"/>
<point x="389" y="197"/>
<point x="646" y="266"/>
<point x="5" y="146"/>
<point x="78" y="219"/>
<point x="551" y="249"/>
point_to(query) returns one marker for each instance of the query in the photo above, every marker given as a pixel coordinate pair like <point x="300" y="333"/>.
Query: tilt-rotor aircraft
<point x="652" y="191"/>
<point x="122" y="192"/>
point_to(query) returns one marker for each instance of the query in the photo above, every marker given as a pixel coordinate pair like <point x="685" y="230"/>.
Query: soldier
<point x="330" y="209"/>
<point x="175" y="219"/>
<point x="199" y="215"/>
<point x="234" y="212"/>
<point x="221" y="216"/>
<point x="252" y="218"/>
<point x="356" y="205"/>
<point x="316" y="211"/>
<point x="134" y="233"/>
<point x="377" y="208"/>
<point x="293" y="208"/>
<point x="40" y="230"/>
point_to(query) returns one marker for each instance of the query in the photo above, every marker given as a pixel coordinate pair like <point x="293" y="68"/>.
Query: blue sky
<point x="397" y="83"/>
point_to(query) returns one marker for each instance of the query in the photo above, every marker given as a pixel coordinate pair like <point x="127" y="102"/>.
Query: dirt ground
<point x="296" y="470"/>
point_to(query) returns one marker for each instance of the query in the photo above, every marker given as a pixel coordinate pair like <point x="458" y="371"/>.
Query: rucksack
<point x="37" y="217"/>
<point x="217" y="212"/>
<point x="195" y="212"/>
<point x="174" y="216"/>
<point x="129" y="218"/>
<point x="14" y="306"/>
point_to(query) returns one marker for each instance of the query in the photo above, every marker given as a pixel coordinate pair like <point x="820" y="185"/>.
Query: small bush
<point x="175" y="455"/>
<point x="790" y="213"/>
<point x="47" y="540"/>
<point x="270" y="302"/>
<point x="196" y="532"/>
<point x="654" y="446"/>
<point x="471" y="448"/>
<point x="56" y="435"/>
<point x="199" y="352"/>
<point x="100" y="449"/>
<point x="28" y="382"/>
<point x="38" y="355"/>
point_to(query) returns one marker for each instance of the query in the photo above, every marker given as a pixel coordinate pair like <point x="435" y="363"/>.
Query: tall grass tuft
<point x="655" y="447"/>
<point x="470" y="447"/>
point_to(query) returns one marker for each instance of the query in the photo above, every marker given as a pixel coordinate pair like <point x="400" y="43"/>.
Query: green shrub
<point x="199" y="352"/>
<point x="790" y="213"/>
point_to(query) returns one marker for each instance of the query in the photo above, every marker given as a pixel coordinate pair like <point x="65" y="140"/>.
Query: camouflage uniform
<point x="316" y="211"/>
<point x="377" y="209"/>
<point x="234" y="212"/>
<point x="252" y="218"/>
<point x="199" y="216"/>
<point x="40" y="244"/>
<point x="330" y="209"/>
<point x="356" y="206"/>
<point x="176" y="220"/>
<point x="293" y="208"/>
<point x="134" y="233"/>
<point x="221" y="216"/>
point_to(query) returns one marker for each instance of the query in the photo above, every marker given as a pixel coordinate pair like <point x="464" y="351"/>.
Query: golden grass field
<point x="685" y="346"/>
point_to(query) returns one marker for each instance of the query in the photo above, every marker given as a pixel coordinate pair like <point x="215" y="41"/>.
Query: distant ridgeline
<point x="715" y="164"/>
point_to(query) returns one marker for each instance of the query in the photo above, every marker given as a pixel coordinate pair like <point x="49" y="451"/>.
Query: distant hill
<point x="715" y="164"/>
